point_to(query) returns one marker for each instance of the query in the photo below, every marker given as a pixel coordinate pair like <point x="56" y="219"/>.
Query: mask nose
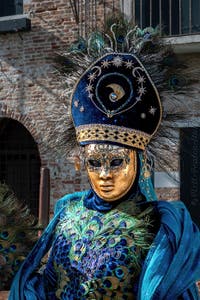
<point x="105" y="172"/>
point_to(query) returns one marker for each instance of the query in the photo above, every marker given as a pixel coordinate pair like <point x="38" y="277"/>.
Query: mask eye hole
<point x="94" y="163"/>
<point x="117" y="162"/>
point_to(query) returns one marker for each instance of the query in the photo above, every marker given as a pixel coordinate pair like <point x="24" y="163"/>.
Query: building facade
<point x="31" y="31"/>
<point x="179" y="23"/>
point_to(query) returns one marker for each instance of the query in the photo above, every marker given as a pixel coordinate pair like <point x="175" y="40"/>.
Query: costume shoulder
<point x="177" y="243"/>
<point x="68" y="197"/>
<point x="27" y="284"/>
<point x="175" y="215"/>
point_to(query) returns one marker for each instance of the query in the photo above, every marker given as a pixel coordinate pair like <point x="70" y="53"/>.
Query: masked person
<point x="114" y="241"/>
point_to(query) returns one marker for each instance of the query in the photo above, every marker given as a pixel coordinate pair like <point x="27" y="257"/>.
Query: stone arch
<point x="20" y="158"/>
<point x="6" y="112"/>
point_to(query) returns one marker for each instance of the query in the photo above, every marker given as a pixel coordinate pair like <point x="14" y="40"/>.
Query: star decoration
<point x="117" y="61"/>
<point x="105" y="63"/>
<point x="76" y="102"/>
<point x="129" y="64"/>
<point x="152" y="110"/>
<point x="89" y="88"/>
<point x="142" y="90"/>
<point x="92" y="77"/>
<point x="82" y="108"/>
<point x="141" y="79"/>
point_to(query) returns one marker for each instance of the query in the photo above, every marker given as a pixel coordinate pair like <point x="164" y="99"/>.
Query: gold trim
<point x="112" y="133"/>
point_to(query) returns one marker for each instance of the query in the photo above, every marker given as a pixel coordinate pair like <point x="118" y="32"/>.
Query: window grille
<point x="11" y="7"/>
<point x="175" y="17"/>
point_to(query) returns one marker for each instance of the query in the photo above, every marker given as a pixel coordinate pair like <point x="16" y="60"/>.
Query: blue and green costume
<point x="138" y="248"/>
<point x="106" y="253"/>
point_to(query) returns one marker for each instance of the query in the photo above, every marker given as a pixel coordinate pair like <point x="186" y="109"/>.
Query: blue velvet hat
<point x="116" y="101"/>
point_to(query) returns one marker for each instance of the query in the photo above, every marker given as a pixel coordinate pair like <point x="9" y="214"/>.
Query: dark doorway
<point x="190" y="170"/>
<point x="20" y="162"/>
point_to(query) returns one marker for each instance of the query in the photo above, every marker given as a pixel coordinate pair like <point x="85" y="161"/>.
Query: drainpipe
<point x="44" y="197"/>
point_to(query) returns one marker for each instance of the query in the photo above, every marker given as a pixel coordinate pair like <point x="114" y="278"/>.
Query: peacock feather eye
<point x="5" y="234"/>
<point x="17" y="262"/>
<point x="119" y="272"/>
<point x="107" y="283"/>
<point x="13" y="248"/>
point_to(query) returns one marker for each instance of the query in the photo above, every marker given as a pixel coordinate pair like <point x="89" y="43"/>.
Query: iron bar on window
<point x="170" y="17"/>
<point x="180" y="16"/>
<point x="190" y="16"/>
<point x="174" y="17"/>
<point x="160" y="15"/>
<point x="150" y="11"/>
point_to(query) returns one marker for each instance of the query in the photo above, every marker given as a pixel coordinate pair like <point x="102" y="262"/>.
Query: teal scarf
<point x="173" y="263"/>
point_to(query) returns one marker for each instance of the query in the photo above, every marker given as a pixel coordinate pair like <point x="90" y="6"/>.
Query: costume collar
<point x="94" y="202"/>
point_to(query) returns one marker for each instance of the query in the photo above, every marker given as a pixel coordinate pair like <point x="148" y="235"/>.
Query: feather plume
<point x="174" y="78"/>
<point x="18" y="233"/>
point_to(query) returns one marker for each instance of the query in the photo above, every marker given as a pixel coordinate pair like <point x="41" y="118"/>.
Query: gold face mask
<point x="111" y="169"/>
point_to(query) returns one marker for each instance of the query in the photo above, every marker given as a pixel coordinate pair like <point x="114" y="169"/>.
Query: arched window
<point x="20" y="162"/>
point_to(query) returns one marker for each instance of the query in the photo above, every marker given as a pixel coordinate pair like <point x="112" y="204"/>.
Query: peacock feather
<point x="175" y="78"/>
<point x="18" y="233"/>
<point x="101" y="253"/>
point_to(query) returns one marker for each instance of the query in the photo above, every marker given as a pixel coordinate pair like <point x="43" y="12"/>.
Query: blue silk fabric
<point x="171" y="267"/>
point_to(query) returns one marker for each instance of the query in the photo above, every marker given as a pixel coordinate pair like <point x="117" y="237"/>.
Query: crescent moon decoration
<point x="98" y="70"/>
<point x="118" y="92"/>
<point x="137" y="69"/>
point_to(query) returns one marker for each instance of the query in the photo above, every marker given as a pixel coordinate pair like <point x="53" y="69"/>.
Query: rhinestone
<point x="143" y="115"/>
<point x="113" y="97"/>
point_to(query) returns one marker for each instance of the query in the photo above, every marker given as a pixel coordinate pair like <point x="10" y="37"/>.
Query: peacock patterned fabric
<point x="99" y="255"/>
<point x="18" y="234"/>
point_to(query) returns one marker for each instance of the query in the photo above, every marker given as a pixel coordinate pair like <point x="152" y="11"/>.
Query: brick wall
<point x="28" y="87"/>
